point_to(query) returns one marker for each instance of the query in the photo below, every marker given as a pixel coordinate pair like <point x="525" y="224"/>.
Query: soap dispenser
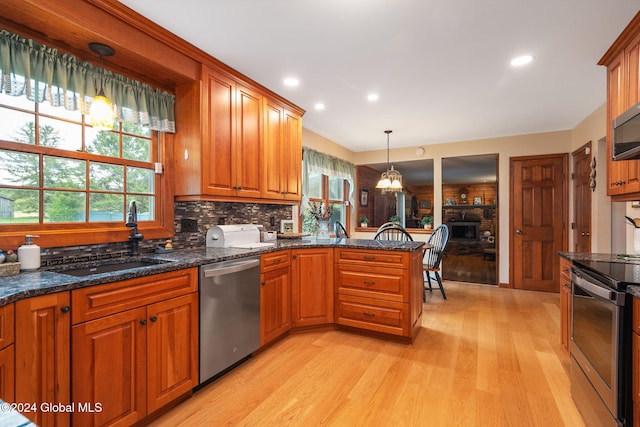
<point x="29" y="254"/>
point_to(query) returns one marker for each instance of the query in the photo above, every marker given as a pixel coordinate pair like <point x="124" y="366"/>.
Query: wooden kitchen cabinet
<point x="312" y="287"/>
<point x="42" y="368"/>
<point x="282" y="168"/>
<point x="237" y="141"/>
<point x="379" y="291"/>
<point x="7" y="353"/>
<point x="231" y="137"/>
<point x="135" y="346"/>
<point x="623" y="91"/>
<point x="565" y="302"/>
<point x="275" y="295"/>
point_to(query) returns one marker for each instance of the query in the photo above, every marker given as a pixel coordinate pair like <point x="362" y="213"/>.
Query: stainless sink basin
<point x="111" y="267"/>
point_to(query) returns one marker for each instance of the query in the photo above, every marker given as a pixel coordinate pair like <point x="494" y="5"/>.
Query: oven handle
<point x="596" y="290"/>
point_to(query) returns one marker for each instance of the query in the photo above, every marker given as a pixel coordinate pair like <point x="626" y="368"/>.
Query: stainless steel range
<point x="601" y="341"/>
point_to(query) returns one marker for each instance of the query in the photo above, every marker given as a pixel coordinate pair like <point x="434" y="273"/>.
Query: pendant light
<point x="391" y="179"/>
<point x="101" y="111"/>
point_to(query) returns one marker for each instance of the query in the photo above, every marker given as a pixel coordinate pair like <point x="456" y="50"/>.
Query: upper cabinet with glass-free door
<point x="239" y="143"/>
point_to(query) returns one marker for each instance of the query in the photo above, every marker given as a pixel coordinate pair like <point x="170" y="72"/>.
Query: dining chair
<point x="340" y="231"/>
<point x="432" y="257"/>
<point x="394" y="232"/>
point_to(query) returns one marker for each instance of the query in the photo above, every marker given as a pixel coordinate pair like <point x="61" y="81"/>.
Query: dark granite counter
<point x="54" y="279"/>
<point x="633" y="260"/>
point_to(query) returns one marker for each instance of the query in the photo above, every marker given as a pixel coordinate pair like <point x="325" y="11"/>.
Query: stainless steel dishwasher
<point x="229" y="314"/>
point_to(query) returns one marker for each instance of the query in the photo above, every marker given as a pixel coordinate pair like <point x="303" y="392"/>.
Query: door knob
<point x="518" y="231"/>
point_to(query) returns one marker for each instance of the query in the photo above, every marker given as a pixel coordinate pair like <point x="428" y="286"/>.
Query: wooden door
<point x="312" y="287"/>
<point x="7" y="374"/>
<point x="275" y="304"/>
<point x="42" y="344"/>
<point x="218" y="134"/>
<point x="273" y="162"/>
<point x="538" y="214"/>
<point x="582" y="199"/>
<point x="292" y="153"/>
<point x="109" y="367"/>
<point x="247" y="165"/>
<point x="616" y="102"/>
<point x="172" y="349"/>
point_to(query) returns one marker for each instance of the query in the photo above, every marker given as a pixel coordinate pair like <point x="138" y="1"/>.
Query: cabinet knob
<point x="143" y="322"/>
<point x="368" y="314"/>
<point x="65" y="309"/>
<point x="518" y="231"/>
<point x="263" y="283"/>
<point x="153" y="318"/>
<point x="369" y="282"/>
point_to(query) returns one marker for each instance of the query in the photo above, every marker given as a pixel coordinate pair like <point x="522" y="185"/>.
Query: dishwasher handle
<point x="214" y="270"/>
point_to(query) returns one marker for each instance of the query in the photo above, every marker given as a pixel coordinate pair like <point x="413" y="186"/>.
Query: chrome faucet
<point x="132" y="222"/>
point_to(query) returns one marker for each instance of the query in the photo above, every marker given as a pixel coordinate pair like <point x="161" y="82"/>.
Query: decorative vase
<point x="636" y="240"/>
<point x="323" y="231"/>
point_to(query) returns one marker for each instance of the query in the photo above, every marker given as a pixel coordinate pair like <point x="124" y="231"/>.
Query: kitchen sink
<point x="111" y="267"/>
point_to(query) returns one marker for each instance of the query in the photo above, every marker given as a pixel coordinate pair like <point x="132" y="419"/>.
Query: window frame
<point x="54" y="234"/>
<point x="325" y="199"/>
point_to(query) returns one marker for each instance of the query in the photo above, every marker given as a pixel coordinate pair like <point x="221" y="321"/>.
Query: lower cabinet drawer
<point x="381" y="316"/>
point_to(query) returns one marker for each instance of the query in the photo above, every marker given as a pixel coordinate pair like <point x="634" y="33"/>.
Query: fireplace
<point x="464" y="231"/>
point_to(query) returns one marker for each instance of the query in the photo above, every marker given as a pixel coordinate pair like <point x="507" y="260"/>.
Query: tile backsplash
<point x="191" y="222"/>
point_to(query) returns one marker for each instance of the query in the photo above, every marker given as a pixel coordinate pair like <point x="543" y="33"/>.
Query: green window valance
<point x="316" y="162"/>
<point x="42" y="74"/>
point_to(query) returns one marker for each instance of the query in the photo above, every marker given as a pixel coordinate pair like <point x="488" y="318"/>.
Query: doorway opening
<point x="469" y="209"/>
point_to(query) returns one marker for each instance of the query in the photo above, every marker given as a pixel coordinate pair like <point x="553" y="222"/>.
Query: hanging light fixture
<point x="101" y="111"/>
<point x="391" y="179"/>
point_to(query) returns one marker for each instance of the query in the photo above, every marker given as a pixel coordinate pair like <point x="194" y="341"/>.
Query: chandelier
<point x="391" y="179"/>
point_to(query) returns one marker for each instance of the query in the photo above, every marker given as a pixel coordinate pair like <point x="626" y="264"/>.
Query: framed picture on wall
<point x="364" y="198"/>
<point x="449" y="201"/>
<point x="424" y="204"/>
<point x="477" y="200"/>
<point x="286" y="226"/>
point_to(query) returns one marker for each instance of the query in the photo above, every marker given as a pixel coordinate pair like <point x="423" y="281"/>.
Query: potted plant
<point x="427" y="222"/>
<point x="364" y="222"/>
<point x="395" y="218"/>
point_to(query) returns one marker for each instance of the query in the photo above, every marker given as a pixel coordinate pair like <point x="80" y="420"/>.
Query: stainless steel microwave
<point x="626" y="134"/>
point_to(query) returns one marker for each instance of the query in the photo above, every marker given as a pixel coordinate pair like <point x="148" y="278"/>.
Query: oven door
<point x="597" y="315"/>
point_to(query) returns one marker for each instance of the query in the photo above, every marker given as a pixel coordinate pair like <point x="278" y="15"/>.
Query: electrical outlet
<point x="189" y="225"/>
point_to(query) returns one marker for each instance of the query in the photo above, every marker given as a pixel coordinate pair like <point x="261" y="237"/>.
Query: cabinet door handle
<point x="65" y="309"/>
<point x="277" y="260"/>
<point x="143" y="322"/>
<point x="369" y="258"/>
<point x="263" y="283"/>
<point x="153" y="318"/>
<point x="368" y="314"/>
<point x="518" y="231"/>
<point x="369" y="282"/>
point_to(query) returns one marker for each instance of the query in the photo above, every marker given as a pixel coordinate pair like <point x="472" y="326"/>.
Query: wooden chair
<point x="394" y="232"/>
<point x="340" y="231"/>
<point x="386" y="224"/>
<point x="432" y="256"/>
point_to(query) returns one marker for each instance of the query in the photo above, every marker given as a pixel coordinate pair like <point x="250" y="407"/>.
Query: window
<point x="56" y="169"/>
<point x="330" y="190"/>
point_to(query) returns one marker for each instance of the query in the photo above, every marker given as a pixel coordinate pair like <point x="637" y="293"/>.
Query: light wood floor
<point x="485" y="357"/>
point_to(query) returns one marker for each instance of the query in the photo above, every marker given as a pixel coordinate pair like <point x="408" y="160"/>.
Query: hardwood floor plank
<point x="485" y="357"/>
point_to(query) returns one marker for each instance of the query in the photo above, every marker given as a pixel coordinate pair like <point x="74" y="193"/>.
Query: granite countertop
<point x="50" y="280"/>
<point x="611" y="258"/>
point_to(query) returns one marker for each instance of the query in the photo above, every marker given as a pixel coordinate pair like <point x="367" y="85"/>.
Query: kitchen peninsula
<point x="108" y="322"/>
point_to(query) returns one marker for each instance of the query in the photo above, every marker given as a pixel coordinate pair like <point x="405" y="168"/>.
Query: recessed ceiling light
<point x="521" y="60"/>
<point x="372" y="97"/>
<point x="291" y="81"/>
<point x="319" y="106"/>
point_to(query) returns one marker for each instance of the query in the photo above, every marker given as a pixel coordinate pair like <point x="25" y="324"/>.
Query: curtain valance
<point x="316" y="162"/>
<point x="42" y="74"/>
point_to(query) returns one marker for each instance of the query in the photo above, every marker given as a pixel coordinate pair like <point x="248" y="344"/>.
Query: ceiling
<point x="441" y="67"/>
